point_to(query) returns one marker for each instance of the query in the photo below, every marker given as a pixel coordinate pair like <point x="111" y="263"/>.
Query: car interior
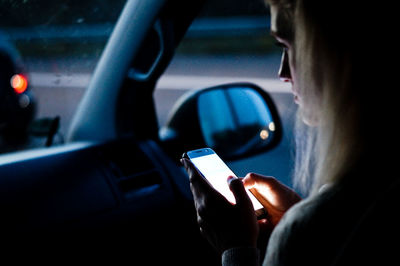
<point x="116" y="188"/>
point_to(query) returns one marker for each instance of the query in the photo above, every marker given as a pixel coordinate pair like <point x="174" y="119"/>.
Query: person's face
<point x="281" y="31"/>
<point x="287" y="70"/>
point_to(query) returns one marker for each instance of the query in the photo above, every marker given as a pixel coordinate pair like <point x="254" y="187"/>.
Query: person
<point x="346" y="147"/>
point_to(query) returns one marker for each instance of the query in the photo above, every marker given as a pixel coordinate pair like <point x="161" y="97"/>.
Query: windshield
<point x="53" y="46"/>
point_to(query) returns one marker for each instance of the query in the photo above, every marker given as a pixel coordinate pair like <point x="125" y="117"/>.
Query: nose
<point x="284" y="70"/>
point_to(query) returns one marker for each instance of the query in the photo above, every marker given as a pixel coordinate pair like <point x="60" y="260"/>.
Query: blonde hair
<point x="324" y="72"/>
<point x="329" y="37"/>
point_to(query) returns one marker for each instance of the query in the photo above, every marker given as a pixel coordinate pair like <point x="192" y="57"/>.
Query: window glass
<point x="54" y="47"/>
<point x="228" y="42"/>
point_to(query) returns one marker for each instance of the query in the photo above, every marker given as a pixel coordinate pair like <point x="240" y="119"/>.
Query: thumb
<point x="238" y="190"/>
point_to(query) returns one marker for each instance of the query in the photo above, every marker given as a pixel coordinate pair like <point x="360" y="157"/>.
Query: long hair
<point x="340" y="69"/>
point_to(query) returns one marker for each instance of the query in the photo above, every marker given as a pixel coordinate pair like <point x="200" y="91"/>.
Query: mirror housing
<point x="236" y="120"/>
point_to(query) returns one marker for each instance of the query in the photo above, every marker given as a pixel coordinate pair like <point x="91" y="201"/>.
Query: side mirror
<point x="236" y="120"/>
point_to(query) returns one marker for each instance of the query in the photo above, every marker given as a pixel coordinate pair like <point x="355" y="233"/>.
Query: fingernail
<point x="230" y="178"/>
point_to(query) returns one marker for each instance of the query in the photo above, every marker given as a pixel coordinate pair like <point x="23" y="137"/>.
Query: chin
<point x="308" y="117"/>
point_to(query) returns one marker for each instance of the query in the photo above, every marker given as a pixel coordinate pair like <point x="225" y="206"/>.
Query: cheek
<point x="309" y="108"/>
<point x="308" y="104"/>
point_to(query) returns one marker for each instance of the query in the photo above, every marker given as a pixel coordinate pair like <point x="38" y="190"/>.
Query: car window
<point x="53" y="47"/>
<point x="228" y="42"/>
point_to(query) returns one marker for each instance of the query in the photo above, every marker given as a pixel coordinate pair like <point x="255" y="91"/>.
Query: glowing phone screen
<point x="217" y="173"/>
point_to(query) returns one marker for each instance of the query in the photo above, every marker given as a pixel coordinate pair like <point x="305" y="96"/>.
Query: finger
<point x="202" y="226"/>
<point x="275" y="197"/>
<point x="253" y="180"/>
<point x="265" y="225"/>
<point x="195" y="175"/>
<point x="198" y="183"/>
<point x="268" y="187"/>
<point x="239" y="191"/>
<point x="190" y="168"/>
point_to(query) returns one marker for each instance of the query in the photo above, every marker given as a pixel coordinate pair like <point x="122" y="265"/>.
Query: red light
<point x="19" y="83"/>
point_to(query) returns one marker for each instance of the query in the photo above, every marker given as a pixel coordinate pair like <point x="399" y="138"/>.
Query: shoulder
<point x="347" y="224"/>
<point x="309" y="231"/>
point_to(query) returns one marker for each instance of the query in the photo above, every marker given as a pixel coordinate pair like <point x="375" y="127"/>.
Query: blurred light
<point x="264" y="134"/>
<point x="24" y="101"/>
<point x="19" y="83"/>
<point x="271" y="126"/>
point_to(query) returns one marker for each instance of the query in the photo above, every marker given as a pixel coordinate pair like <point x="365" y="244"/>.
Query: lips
<point x="296" y="99"/>
<point x="295" y="93"/>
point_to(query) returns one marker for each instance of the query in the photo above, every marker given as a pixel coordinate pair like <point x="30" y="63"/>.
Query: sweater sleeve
<point x="248" y="256"/>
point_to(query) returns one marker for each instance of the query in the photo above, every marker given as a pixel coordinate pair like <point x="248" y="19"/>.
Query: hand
<point x="223" y="224"/>
<point x="273" y="195"/>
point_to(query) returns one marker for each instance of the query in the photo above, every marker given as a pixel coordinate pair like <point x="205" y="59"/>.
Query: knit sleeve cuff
<point x="248" y="256"/>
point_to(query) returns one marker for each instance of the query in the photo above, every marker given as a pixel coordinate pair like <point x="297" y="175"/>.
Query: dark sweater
<point x="352" y="223"/>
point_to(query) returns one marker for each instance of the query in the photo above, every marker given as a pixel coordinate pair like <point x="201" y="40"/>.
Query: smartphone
<point x="216" y="172"/>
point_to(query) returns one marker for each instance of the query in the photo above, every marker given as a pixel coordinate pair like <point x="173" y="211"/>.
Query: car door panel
<point x="68" y="185"/>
